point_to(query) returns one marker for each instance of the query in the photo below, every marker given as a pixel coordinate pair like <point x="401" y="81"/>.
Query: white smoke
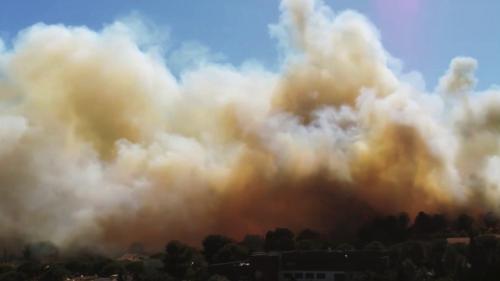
<point x="101" y="145"/>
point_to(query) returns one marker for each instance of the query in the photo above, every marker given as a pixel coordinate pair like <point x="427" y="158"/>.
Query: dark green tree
<point x="308" y="234"/>
<point x="309" y="239"/>
<point x="483" y="257"/>
<point x="465" y="224"/>
<point x="55" y="272"/>
<point x="490" y="220"/>
<point x="231" y="252"/>
<point x="86" y="263"/>
<point x="212" y="244"/>
<point x="183" y="262"/>
<point x="112" y="268"/>
<point x="389" y="229"/>
<point x="136" y="269"/>
<point x="281" y="239"/>
<point x="254" y="243"/>
<point x="30" y="268"/>
<point x="13" y="276"/>
<point x="426" y="225"/>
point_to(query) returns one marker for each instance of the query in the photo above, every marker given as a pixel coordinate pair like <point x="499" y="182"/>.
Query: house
<point x="458" y="240"/>
<point x="303" y="266"/>
<point x="92" y="278"/>
<point x="328" y="265"/>
<point x="234" y="271"/>
<point x="131" y="257"/>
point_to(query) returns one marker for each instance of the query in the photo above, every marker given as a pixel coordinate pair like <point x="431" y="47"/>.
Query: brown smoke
<point x="102" y="146"/>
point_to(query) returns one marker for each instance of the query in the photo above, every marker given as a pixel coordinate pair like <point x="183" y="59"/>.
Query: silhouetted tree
<point x="212" y="244"/>
<point x="309" y="245"/>
<point x="13" y="276"/>
<point x="427" y="257"/>
<point x="464" y="223"/>
<point x="182" y="261"/>
<point x="413" y="250"/>
<point x="281" y="239"/>
<point x="426" y="225"/>
<point x="231" y="252"/>
<point x="390" y="229"/>
<point x="86" y="263"/>
<point x="455" y="263"/>
<point x="30" y="268"/>
<point x="254" y="243"/>
<point x="308" y="239"/>
<point x="308" y="234"/>
<point x="136" y="269"/>
<point x="55" y="272"/>
<point x="484" y="258"/>
<point x="490" y="220"/>
<point x="440" y="222"/>
<point x="436" y="250"/>
<point x="112" y="268"/>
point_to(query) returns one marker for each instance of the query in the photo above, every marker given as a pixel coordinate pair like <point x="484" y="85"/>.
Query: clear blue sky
<point x="424" y="34"/>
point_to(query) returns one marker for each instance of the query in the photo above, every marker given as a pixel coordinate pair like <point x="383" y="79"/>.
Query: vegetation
<point x="417" y="251"/>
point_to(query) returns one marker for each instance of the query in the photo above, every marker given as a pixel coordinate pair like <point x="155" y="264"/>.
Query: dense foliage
<point x="417" y="251"/>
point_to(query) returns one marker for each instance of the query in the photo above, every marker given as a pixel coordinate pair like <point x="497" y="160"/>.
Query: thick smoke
<point x="102" y="146"/>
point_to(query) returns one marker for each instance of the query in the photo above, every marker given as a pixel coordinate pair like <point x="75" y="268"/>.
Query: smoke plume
<point x="101" y="145"/>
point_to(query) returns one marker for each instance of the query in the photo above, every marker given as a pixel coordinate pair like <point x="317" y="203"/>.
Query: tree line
<point x="418" y="250"/>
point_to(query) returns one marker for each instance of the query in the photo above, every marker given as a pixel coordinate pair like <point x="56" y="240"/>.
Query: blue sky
<point x="424" y="34"/>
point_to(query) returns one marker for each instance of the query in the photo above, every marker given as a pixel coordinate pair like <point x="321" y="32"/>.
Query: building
<point x="92" y="278"/>
<point x="303" y="266"/>
<point x="458" y="240"/>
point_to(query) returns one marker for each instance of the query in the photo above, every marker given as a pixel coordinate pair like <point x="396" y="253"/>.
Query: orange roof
<point x="458" y="240"/>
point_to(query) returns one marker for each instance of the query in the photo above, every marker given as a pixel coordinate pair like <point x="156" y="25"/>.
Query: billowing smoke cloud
<point x="460" y="77"/>
<point x="101" y="145"/>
